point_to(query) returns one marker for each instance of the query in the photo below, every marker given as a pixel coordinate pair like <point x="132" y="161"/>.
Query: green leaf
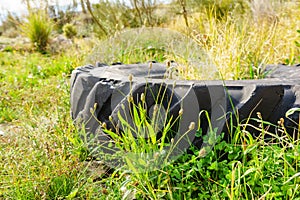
<point x="130" y="165"/>
<point x="137" y="119"/>
<point x="111" y="134"/>
<point x="73" y="194"/>
<point x="250" y="148"/>
<point x="151" y="133"/>
<point x="261" y="121"/>
<point x="290" y="192"/>
<point x="125" y="123"/>
<point x="248" y="171"/>
<point x="164" y="134"/>
<point x="214" y="166"/>
<point x="198" y="133"/>
<point x="142" y="162"/>
<point x="292" y="111"/>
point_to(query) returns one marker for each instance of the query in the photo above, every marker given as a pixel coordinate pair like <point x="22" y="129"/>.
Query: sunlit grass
<point x="43" y="157"/>
<point x="240" y="45"/>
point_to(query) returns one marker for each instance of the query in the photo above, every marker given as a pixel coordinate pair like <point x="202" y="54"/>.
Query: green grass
<point x="38" y="29"/>
<point x="241" y="44"/>
<point x="30" y="82"/>
<point x="36" y="151"/>
<point x="43" y="157"/>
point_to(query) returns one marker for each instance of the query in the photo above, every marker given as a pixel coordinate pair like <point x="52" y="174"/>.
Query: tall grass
<point x="38" y="160"/>
<point x="241" y="44"/>
<point x="242" y="168"/>
<point x="43" y="157"/>
<point x="38" y="29"/>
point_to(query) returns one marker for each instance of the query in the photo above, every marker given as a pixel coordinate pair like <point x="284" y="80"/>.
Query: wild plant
<point x="38" y="29"/>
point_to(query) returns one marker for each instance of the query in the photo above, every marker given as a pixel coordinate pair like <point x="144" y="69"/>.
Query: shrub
<point x="61" y="18"/>
<point x="38" y="29"/>
<point x="10" y="25"/>
<point x="69" y="30"/>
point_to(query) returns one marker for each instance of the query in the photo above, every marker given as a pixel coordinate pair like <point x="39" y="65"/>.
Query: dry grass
<point x="240" y="44"/>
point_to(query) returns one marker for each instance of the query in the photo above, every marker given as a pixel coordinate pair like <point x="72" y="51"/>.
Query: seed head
<point x="130" y="98"/>
<point x="150" y="65"/>
<point x="168" y="64"/>
<point x="143" y="97"/>
<point x="180" y="112"/>
<point x="95" y="106"/>
<point x="281" y="122"/>
<point x="130" y="77"/>
<point x="104" y="191"/>
<point x="259" y="115"/>
<point x="117" y="128"/>
<point x="192" y="126"/>
<point x="135" y="184"/>
<point x="202" y="152"/>
<point x="155" y="109"/>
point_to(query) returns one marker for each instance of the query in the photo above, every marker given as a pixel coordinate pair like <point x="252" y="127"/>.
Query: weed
<point x="249" y="169"/>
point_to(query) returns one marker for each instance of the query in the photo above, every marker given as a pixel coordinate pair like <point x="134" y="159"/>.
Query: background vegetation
<point x="41" y="153"/>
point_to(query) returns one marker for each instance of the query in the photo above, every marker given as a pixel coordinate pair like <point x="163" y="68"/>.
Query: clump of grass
<point x="142" y="141"/>
<point x="243" y="167"/>
<point x="38" y="29"/>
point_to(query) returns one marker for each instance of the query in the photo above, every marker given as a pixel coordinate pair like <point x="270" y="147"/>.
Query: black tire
<point x="108" y="87"/>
